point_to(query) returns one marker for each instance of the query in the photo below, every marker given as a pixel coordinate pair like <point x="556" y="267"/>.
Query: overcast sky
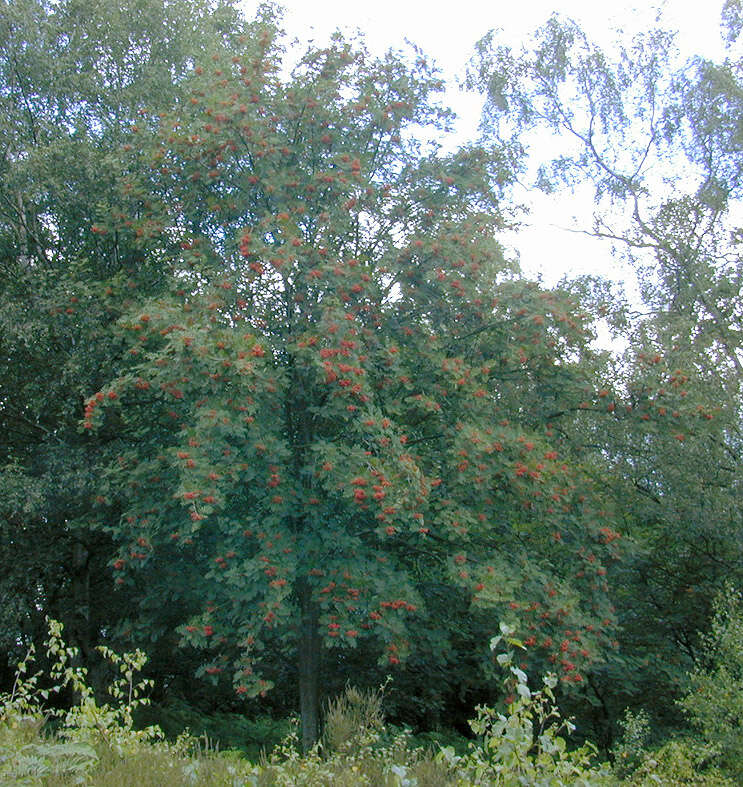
<point x="447" y="32"/>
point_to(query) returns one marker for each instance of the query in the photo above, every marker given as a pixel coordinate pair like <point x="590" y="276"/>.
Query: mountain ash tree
<point x="346" y="389"/>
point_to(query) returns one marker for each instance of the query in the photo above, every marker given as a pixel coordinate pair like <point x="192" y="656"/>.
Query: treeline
<point x="277" y="408"/>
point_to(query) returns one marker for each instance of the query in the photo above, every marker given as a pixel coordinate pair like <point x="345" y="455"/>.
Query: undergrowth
<point x="99" y="744"/>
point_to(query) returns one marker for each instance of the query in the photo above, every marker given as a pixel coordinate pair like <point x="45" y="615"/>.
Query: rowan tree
<point x="348" y="389"/>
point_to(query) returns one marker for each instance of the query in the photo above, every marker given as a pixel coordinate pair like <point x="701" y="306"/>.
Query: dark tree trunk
<point x="78" y="627"/>
<point x="80" y="621"/>
<point x="309" y="647"/>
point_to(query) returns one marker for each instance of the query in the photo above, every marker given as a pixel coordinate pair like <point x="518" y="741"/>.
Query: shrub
<point x="714" y="704"/>
<point x="526" y="745"/>
<point x="679" y="762"/>
<point x="25" y="756"/>
<point x="218" y="731"/>
<point x="632" y="746"/>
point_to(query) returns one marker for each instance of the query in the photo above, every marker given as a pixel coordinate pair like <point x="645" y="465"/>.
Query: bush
<point x="217" y="731"/>
<point x="632" y="746"/>
<point x="525" y="746"/>
<point x="714" y="704"/>
<point x="679" y="762"/>
<point x="26" y="756"/>
<point x="93" y="743"/>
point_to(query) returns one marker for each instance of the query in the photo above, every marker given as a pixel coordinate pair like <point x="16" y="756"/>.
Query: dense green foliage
<point x="346" y="397"/>
<point x="278" y="410"/>
<point x="72" y="80"/>
<point x="658" y="142"/>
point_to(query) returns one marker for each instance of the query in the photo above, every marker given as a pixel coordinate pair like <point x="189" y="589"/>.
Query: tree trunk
<point x="79" y="620"/>
<point x="309" y="648"/>
<point x="80" y="580"/>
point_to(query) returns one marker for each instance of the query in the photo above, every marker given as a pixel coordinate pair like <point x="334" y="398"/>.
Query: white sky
<point x="447" y="33"/>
